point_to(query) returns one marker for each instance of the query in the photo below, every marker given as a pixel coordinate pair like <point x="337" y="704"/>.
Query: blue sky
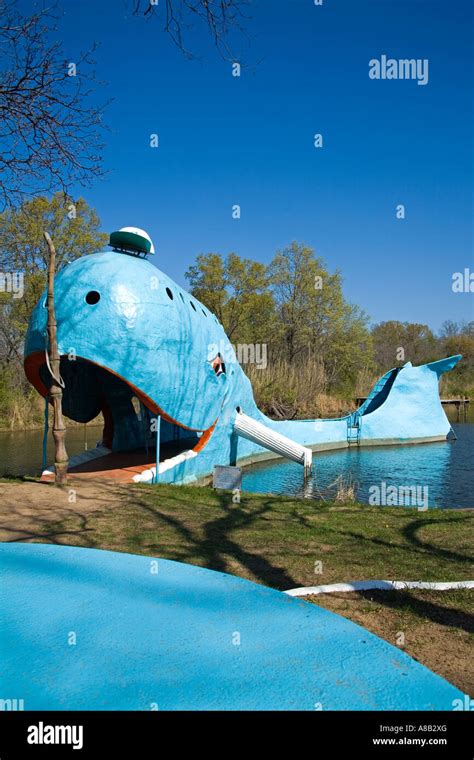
<point x="249" y="141"/>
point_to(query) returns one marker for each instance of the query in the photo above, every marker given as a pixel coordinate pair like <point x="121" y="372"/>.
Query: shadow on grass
<point x="410" y="533"/>
<point x="209" y="545"/>
<point x="52" y="533"/>
<point x="414" y="543"/>
<point x="215" y="547"/>
<point x="424" y="609"/>
<point x="161" y="523"/>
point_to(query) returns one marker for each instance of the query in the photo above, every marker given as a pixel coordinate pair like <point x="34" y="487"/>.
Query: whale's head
<point x="126" y="331"/>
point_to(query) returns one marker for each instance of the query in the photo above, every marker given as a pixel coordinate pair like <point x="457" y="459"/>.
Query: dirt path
<point x="26" y="509"/>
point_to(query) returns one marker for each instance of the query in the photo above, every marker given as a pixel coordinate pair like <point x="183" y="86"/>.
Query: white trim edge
<point x="84" y="456"/>
<point x="147" y="476"/>
<point x="382" y="585"/>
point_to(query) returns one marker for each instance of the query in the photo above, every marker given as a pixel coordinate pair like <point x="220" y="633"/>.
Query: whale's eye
<point x="92" y="297"/>
<point x="218" y="365"/>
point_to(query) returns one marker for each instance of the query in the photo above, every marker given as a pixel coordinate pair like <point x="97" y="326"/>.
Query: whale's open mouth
<point x="130" y="430"/>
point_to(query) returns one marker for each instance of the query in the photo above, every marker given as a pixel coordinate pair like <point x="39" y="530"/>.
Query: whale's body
<point x="141" y="335"/>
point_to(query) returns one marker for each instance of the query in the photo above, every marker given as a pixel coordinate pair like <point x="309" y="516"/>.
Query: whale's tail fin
<point x="405" y="404"/>
<point x="383" y="386"/>
<point x="444" y="365"/>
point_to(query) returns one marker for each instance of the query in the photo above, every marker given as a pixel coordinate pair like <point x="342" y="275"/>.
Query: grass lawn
<point x="280" y="542"/>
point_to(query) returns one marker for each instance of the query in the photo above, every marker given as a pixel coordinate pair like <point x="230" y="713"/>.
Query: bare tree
<point x="50" y="126"/>
<point x="221" y="17"/>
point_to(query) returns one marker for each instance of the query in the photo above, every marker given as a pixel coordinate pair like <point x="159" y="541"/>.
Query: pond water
<point x="442" y="472"/>
<point x="21" y="453"/>
<point x="431" y="474"/>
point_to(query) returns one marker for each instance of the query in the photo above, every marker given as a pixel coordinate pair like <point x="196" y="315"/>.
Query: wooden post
<point x="61" y="460"/>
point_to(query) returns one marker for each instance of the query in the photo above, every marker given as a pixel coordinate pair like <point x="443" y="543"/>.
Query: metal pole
<point x="158" y="425"/>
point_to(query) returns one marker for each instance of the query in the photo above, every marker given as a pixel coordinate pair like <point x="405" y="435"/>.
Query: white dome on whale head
<point x="132" y="239"/>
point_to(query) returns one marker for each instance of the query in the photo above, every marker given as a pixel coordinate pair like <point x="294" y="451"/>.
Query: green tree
<point x="398" y="342"/>
<point x="459" y="339"/>
<point x="207" y="281"/>
<point x="75" y="229"/>
<point x="314" y="318"/>
<point x="237" y="291"/>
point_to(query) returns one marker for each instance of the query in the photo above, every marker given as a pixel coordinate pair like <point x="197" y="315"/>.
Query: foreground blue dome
<point x="84" y="629"/>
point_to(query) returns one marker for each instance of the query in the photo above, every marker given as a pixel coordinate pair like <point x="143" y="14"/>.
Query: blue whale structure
<point x="135" y="345"/>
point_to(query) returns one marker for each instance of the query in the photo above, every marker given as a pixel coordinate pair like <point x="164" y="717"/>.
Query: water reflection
<point x="21" y="451"/>
<point x="445" y="469"/>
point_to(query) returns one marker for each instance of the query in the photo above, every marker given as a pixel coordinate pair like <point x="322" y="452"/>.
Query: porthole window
<point x="181" y="296"/>
<point x="92" y="297"/>
<point x="204" y="312"/>
<point x="169" y="293"/>
<point x="192" y="305"/>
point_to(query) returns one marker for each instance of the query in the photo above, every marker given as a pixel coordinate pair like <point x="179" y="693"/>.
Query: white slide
<point x="254" y="431"/>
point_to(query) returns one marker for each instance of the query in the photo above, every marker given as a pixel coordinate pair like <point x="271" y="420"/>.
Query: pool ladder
<point x="354" y="424"/>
